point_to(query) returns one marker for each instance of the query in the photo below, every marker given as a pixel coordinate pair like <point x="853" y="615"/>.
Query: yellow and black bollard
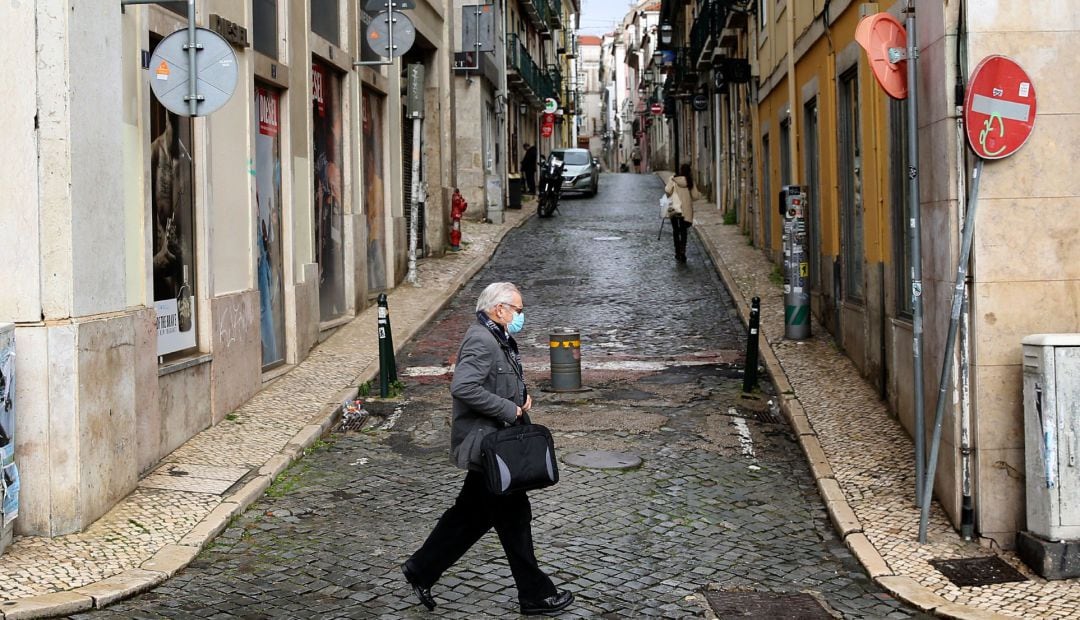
<point x="565" y="361"/>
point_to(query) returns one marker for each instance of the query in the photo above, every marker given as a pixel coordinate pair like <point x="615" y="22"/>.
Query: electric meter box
<point x="1051" y="367"/>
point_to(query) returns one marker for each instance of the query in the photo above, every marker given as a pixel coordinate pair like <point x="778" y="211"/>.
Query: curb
<point x="840" y="512"/>
<point x="170" y="559"/>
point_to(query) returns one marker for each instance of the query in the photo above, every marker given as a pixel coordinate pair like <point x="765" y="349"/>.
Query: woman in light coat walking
<point x="680" y="189"/>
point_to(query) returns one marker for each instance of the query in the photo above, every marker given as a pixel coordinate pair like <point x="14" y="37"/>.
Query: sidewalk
<point x="863" y="459"/>
<point x="216" y="475"/>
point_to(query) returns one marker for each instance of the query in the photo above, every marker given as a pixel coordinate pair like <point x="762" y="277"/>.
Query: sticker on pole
<point x="999" y="110"/>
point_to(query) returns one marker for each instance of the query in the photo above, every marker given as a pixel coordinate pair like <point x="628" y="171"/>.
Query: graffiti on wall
<point x="329" y="181"/>
<point x="374" y="198"/>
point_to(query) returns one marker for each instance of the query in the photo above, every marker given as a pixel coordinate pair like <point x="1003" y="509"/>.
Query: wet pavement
<point x="722" y="503"/>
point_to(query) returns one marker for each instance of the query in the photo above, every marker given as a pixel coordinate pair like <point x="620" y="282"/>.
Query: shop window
<point x="271" y="274"/>
<point x="328" y="162"/>
<point x="172" y="214"/>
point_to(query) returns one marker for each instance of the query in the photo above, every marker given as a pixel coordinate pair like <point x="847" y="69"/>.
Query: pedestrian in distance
<point x="681" y="191"/>
<point x="636" y="156"/>
<point x="489" y="393"/>
<point x="528" y="168"/>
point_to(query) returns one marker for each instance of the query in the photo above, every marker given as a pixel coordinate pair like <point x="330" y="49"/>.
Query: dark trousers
<point x="679" y="229"/>
<point x="476" y="511"/>
<point x="530" y="179"/>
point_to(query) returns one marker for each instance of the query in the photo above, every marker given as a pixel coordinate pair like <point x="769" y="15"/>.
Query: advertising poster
<point x="374" y="198"/>
<point x="172" y="207"/>
<point x="268" y="222"/>
<point x="9" y="474"/>
<point x="329" y="180"/>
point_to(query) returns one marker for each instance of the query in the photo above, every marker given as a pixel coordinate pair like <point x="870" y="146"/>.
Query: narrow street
<point x="722" y="507"/>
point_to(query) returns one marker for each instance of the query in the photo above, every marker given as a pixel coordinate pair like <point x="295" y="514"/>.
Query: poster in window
<point x="268" y="228"/>
<point x="374" y="198"/>
<point x="172" y="216"/>
<point x="329" y="180"/>
<point x="9" y="473"/>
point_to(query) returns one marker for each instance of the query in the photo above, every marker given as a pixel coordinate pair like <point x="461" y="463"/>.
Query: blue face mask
<point x="518" y="322"/>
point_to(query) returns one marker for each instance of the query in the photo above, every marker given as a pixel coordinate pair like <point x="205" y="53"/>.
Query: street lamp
<point x="523" y="108"/>
<point x="658" y="58"/>
<point x="666" y="32"/>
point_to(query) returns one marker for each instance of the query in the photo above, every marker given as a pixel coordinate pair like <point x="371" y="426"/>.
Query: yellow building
<point x="810" y="112"/>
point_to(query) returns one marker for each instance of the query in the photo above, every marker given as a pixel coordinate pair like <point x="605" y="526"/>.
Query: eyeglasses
<point x="516" y="308"/>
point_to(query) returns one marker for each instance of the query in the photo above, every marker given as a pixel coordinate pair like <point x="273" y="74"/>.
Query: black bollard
<point x="387" y="363"/>
<point x="749" y="383"/>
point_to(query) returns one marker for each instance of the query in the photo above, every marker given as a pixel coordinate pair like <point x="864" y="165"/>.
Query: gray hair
<point x="496" y="293"/>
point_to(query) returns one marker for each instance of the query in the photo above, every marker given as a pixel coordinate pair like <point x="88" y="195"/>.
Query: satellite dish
<point x="170" y="72"/>
<point x="877" y="34"/>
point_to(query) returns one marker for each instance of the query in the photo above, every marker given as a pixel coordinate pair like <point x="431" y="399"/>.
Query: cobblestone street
<point x="722" y="503"/>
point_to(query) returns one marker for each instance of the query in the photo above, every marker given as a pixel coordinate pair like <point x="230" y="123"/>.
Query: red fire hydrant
<point x="457" y="210"/>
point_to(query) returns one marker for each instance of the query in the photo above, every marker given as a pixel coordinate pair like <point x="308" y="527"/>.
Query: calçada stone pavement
<point x="860" y="456"/>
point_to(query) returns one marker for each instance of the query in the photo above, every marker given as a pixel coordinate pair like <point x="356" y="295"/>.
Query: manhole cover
<point x="766" y="605"/>
<point x="978" y="571"/>
<point x="602" y="459"/>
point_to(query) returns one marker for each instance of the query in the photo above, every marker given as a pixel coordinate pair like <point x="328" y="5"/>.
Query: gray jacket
<point x="487" y="392"/>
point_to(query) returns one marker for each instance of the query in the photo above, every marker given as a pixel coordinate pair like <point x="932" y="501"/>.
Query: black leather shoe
<point x="549" y="606"/>
<point x="422" y="593"/>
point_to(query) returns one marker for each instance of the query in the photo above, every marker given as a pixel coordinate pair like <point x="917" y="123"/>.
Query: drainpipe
<point x="793" y="144"/>
<point x="967" y="505"/>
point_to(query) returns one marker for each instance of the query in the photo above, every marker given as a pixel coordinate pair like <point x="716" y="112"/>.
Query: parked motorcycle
<point x="549" y="189"/>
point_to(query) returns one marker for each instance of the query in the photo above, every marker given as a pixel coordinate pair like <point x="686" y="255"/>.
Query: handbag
<point x="519" y="458"/>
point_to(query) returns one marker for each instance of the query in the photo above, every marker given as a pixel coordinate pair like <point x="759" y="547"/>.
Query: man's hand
<point x="519" y="412"/>
<point x="528" y="404"/>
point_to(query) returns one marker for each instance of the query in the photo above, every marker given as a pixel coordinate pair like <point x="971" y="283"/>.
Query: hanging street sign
<point x="546" y="131"/>
<point x="378" y="34"/>
<point x="550" y="105"/>
<point x="700" y="102"/>
<point x="999" y="110"/>
<point x="657" y="108"/>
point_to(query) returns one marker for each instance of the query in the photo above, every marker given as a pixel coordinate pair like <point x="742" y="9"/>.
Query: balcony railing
<point x="523" y="70"/>
<point x="555" y="16"/>
<point x="706" y="31"/>
<point x="539" y="11"/>
<point x="555" y="75"/>
<point x="685" y="72"/>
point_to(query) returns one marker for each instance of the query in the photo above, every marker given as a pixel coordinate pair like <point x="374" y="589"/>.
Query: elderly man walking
<point x="489" y="393"/>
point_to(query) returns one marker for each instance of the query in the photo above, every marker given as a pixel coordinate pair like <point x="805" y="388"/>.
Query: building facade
<point x="795" y="102"/>
<point x="167" y="266"/>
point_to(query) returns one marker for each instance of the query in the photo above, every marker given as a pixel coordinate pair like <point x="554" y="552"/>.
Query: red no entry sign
<point x="657" y="108"/>
<point x="999" y="111"/>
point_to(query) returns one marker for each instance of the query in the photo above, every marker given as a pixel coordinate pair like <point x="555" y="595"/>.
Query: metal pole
<point x="915" y="234"/>
<point x="950" y="339"/>
<point x="967" y="507"/>
<point x="193" y="80"/>
<point x="750" y="369"/>
<point x="414" y="208"/>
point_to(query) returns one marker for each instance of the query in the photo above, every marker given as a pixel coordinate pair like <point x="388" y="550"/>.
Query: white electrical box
<point x="1052" y="435"/>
